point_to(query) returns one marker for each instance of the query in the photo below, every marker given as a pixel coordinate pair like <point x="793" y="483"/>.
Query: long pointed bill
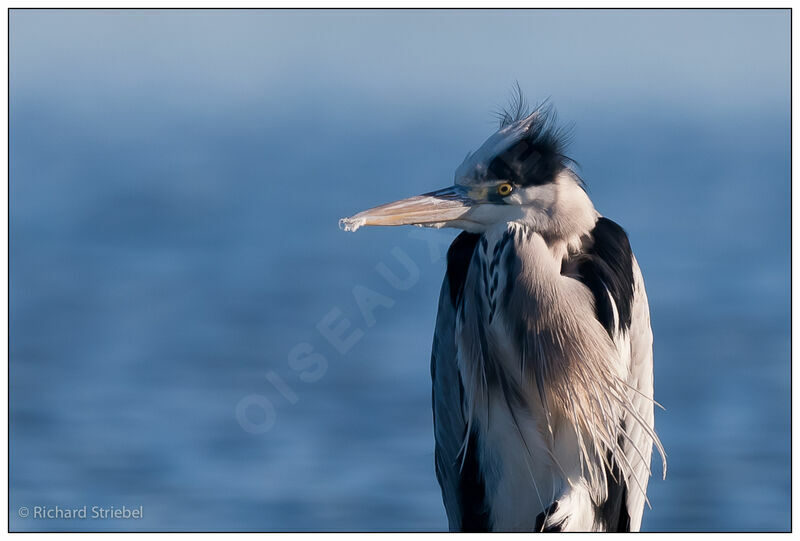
<point x="434" y="209"/>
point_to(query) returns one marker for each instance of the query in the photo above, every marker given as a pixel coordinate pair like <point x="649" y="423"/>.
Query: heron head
<point x="519" y="174"/>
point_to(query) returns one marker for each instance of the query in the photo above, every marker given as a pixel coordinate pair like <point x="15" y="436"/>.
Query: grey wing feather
<point x="448" y="417"/>
<point x="640" y="378"/>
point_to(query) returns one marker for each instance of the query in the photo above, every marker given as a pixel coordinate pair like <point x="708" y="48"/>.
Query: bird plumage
<point x="543" y="348"/>
<point x="489" y="376"/>
<point x="542" y="355"/>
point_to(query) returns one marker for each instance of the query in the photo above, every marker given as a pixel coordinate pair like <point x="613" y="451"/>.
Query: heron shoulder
<point x="605" y="266"/>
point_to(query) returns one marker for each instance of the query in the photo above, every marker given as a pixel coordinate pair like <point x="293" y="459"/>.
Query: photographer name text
<point x="82" y="512"/>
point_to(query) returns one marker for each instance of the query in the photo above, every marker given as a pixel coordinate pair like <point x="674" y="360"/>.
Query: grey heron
<point x="542" y="361"/>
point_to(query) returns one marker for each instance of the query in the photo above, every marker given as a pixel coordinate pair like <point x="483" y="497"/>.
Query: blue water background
<point x="176" y="181"/>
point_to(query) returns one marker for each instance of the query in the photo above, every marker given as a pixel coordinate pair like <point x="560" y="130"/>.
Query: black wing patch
<point x="607" y="268"/>
<point x="459" y="256"/>
<point x="613" y="513"/>
<point x="541" y="517"/>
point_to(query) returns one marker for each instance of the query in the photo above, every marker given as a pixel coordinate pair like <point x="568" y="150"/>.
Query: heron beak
<point x="434" y="209"/>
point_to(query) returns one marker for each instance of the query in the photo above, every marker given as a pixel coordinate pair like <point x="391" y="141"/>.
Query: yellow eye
<point x="504" y="189"/>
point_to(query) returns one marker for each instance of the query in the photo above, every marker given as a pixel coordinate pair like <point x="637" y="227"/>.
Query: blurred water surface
<point x="176" y="181"/>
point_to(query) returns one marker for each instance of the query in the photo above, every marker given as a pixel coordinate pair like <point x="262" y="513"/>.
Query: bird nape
<point x="542" y="359"/>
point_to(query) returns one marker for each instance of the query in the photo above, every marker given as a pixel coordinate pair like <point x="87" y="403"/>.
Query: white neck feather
<point x="560" y="212"/>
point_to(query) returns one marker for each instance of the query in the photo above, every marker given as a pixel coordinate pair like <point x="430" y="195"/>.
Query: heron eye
<point x="504" y="189"/>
